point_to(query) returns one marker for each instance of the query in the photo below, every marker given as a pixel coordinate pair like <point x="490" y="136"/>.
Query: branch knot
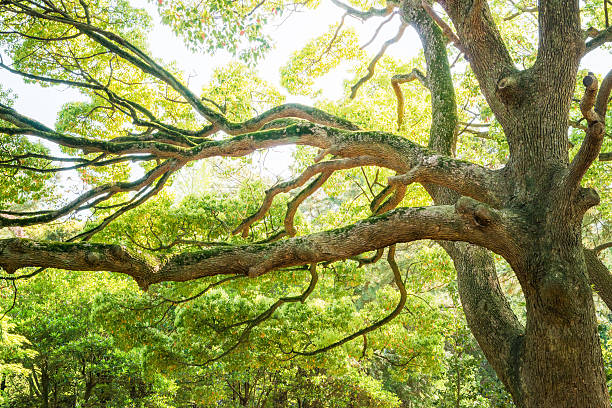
<point x="481" y="214"/>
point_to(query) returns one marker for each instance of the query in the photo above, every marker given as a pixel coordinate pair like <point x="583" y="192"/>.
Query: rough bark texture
<point x="488" y="313"/>
<point x="534" y="363"/>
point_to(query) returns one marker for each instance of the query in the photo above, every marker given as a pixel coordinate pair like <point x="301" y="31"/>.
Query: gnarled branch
<point x="400" y="225"/>
<point x="594" y="109"/>
<point x="398" y="79"/>
<point x="324" y="168"/>
<point x="364" y="15"/>
<point x="374" y="61"/>
<point x="397" y="279"/>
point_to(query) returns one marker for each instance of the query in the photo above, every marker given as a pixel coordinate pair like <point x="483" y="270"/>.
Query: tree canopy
<point x="351" y="282"/>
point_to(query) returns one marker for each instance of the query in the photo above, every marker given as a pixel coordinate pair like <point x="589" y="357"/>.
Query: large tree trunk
<point x="555" y="361"/>
<point x="562" y="364"/>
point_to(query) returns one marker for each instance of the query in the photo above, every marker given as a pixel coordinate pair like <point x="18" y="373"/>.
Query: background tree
<point x="530" y="211"/>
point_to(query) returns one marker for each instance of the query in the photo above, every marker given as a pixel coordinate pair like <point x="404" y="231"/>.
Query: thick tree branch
<point x="560" y="34"/>
<point x="432" y="171"/>
<point x="588" y="99"/>
<point x="391" y="151"/>
<point x="483" y="47"/>
<point x="487" y="310"/>
<point x="494" y="325"/>
<point x="16" y="253"/>
<point x="401" y="225"/>
<point x="290" y="110"/>
<point x="395" y="152"/>
<point x="601" y="247"/>
<point x="603" y="96"/>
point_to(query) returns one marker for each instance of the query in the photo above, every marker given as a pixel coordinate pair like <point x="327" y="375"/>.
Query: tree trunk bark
<point x="89" y="386"/>
<point x="555" y="361"/>
<point x="44" y="385"/>
<point x="561" y="362"/>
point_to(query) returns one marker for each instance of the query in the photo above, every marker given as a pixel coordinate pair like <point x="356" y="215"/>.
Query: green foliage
<point x="240" y="93"/>
<point x="318" y="57"/>
<point x="234" y="27"/>
<point x="68" y="359"/>
<point x="20" y="189"/>
<point x="103" y="343"/>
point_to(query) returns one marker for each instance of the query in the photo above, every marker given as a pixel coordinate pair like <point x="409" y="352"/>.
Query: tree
<point x="530" y="212"/>
<point x="71" y="361"/>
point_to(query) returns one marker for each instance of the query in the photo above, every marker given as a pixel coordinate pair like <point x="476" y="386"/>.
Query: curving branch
<point x="599" y="275"/>
<point x="601" y="247"/>
<point x="139" y="59"/>
<point x="250" y="324"/>
<point x="377" y="31"/>
<point x="398" y="79"/>
<point x="521" y="10"/>
<point x="290" y="110"/>
<point x="593" y="107"/>
<point x="588" y="99"/>
<point x="325" y="169"/>
<point x="399" y="191"/>
<point x="384" y="149"/>
<point x="365" y="15"/>
<point x="448" y="32"/>
<point x="397" y="279"/>
<point x="294" y="204"/>
<point x="469" y="222"/>
<point x="93" y="197"/>
<point x="361" y="261"/>
<point x="378" y="56"/>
